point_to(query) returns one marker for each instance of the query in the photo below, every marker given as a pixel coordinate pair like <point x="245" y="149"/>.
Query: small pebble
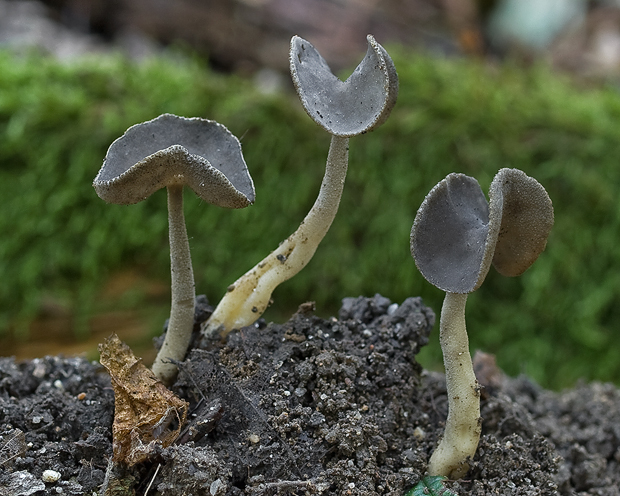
<point x="50" y="476"/>
<point x="419" y="433"/>
<point x="215" y="487"/>
<point x="392" y="308"/>
<point x="39" y="369"/>
<point x="254" y="438"/>
<point x="81" y="396"/>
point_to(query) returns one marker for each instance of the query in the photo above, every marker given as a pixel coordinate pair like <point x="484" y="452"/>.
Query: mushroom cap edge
<point x="339" y="106"/>
<point x="139" y="163"/>
<point x="452" y="241"/>
<point x="526" y="220"/>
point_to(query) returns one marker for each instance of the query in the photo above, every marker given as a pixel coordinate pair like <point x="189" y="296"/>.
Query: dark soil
<point x="313" y="406"/>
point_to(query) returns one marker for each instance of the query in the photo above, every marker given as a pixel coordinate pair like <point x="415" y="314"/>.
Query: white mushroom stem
<point x="183" y="291"/>
<point x="249" y="296"/>
<point x="463" y="424"/>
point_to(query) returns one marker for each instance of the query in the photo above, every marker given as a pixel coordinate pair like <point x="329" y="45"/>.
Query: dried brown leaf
<point x="13" y="447"/>
<point x="145" y="410"/>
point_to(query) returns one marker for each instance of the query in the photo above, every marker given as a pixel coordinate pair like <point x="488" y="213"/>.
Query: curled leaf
<point x="146" y="413"/>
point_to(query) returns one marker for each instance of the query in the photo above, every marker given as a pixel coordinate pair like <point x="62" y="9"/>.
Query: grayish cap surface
<point x="169" y="150"/>
<point x="526" y="220"/>
<point x="359" y="104"/>
<point x="456" y="234"/>
<point x="450" y="238"/>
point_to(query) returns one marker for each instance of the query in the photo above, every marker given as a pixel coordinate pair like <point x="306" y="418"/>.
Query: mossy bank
<point x="557" y="323"/>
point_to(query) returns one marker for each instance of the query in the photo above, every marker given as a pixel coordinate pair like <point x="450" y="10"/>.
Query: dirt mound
<point x="312" y="406"/>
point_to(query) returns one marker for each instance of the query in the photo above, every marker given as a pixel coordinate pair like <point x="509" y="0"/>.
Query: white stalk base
<point x="250" y="295"/>
<point x="463" y="425"/>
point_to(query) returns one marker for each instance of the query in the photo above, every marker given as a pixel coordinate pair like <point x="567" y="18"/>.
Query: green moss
<point x="432" y="485"/>
<point x="557" y="322"/>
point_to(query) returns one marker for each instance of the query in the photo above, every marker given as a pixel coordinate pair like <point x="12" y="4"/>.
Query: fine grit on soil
<point x="312" y="406"/>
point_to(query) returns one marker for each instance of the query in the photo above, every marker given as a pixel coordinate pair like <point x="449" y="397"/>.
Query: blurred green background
<point x="63" y="251"/>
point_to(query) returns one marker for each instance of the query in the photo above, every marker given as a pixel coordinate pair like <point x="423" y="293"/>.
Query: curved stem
<point x="249" y="296"/>
<point x="463" y="424"/>
<point x="183" y="291"/>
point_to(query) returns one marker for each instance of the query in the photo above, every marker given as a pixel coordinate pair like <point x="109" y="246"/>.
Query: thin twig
<point x="153" y="479"/>
<point x="191" y="377"/>
<point x="15" y="446"/>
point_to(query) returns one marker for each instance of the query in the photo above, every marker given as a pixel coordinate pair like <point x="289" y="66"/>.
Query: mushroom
<point x="455" y="238"/>
<point x="344" y="109"/>
<point x="171" y="152"/>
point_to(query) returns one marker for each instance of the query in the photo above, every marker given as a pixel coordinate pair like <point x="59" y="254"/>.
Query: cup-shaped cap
<point x="526" y="215"/>
<point x="456" y="234"/>
<point x="359" y="104"/>
<point x="451" y="240"/>
<point x="169" y="150"/>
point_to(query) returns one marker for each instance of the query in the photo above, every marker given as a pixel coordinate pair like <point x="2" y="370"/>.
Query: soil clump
<point x="312" y="406"/>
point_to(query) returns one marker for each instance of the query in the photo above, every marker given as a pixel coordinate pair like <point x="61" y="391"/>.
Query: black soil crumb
<point x="313" y="406"/>
<point x="55" y="415"/>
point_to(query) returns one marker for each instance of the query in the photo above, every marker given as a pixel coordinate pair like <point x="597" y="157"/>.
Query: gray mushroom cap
<point x="526" y="220"/>
<point x="359" y="104"/>
<point x="171" y="150"/>
<point x="450" y="240"/>
<point x="457" y="235"/>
